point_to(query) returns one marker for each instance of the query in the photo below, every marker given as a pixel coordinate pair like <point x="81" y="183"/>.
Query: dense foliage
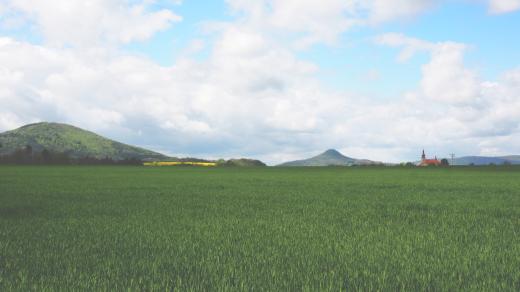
<point x="242" y="162"/>
<point x="26" y="156"/>
<point x="278" y="229"/>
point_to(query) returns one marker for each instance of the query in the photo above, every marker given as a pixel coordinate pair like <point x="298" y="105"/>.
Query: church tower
<point x="423" y="157"/>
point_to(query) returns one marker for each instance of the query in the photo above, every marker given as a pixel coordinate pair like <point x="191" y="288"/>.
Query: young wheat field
<point x="277" y="229"/>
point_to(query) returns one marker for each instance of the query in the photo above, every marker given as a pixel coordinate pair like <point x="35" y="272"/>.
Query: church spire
<point x="423" y="155"/>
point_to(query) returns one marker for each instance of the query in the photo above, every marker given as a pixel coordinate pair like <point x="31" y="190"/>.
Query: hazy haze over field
<point x="272" y="79"/>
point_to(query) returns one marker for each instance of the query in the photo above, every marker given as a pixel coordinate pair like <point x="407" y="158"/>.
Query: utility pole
<point x="452" y="158"/>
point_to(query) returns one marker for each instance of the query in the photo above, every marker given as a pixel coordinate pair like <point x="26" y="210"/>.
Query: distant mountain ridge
<point x="486" y="160"/>
<point x="75" y="142"/>
<point x="330" y="157"/>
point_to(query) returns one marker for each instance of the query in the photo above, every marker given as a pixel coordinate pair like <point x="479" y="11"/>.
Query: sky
<point x="274" y="80"/>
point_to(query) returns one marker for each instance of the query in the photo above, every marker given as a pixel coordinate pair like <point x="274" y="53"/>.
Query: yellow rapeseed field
<point x="171" y="163"/>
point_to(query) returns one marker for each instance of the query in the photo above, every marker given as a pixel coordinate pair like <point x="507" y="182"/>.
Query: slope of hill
<point x="75" y="142"/>
<point x="483" y="160"/>
<point x="514" y="159"/>
<point x="330" y="158"/>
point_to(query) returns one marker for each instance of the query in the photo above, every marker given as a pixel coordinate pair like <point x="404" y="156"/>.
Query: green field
<point x="137" y="228"/>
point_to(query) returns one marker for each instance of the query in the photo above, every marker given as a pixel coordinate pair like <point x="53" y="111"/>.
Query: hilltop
<point x="75" y="142"/>
<point x="330" y="157"/>
<point x="242" y="162"/>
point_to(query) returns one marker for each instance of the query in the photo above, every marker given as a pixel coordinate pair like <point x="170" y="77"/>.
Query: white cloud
<point x="503" y="6"/>
<point x="445" y="78"/>
<point x="385" y="10"/>
<point x="314" y="21"/>
<point x="410" y="46"/>
<point x="90" y="23"/>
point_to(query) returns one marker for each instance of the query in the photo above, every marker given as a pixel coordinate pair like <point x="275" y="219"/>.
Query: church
<point x="429" y="162"/>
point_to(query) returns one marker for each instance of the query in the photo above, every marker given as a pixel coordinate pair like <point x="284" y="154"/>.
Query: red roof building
<point x="429" y="162"/>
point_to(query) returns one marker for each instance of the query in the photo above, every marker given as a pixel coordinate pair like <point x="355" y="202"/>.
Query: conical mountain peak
<point x="333" y="153"/>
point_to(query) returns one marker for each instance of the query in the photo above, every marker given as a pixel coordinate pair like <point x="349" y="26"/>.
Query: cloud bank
<point x="89" y="23"/>
<point x="503" y="6"/>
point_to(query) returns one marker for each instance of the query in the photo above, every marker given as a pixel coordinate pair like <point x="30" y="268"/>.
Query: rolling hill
<point x="241" y="162"/>
<point x="484" y="160"/>
<point x="329" y="158"/>
<point x="76" y="142"/>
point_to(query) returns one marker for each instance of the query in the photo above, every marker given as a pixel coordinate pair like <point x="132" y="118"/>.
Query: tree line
<point x="27" y="156"/>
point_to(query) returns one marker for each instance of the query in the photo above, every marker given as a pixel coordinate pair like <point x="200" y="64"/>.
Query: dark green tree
<point x="28" y="150"/>
<point x="46" y="156"/>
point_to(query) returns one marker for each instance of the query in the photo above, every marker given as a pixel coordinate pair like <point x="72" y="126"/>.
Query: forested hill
<point x="75" y="142"/>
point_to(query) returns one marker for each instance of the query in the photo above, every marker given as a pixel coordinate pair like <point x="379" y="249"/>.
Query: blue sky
<point x="270" y="79"/>
<point x="493" y="40"/>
